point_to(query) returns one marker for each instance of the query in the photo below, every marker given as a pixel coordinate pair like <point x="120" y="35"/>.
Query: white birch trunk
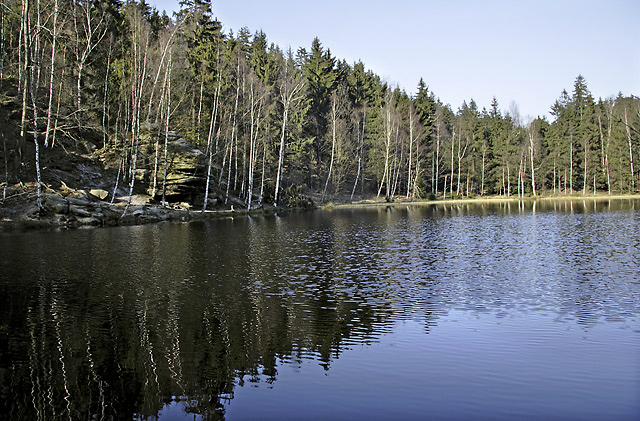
<point x="626" y="123"/>
<point x="54" y="36"/>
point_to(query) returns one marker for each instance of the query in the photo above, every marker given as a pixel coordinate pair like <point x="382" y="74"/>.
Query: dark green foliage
<point x="226" y="98"/>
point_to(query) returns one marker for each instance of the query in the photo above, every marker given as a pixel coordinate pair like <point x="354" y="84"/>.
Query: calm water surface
<point x="499" y="311"/>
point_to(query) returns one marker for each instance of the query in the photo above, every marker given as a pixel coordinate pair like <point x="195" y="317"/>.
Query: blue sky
<point x="520" y="52"/>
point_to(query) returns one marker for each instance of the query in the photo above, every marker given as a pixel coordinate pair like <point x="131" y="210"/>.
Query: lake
<point x="459" y="311"/>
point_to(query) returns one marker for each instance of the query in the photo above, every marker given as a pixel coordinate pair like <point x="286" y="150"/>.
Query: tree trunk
<point x="54" y="36"/>
<point x="139" y="76"/>
<point x="166" y="134"/>
<point x="385" y="174"/>
<point x="484" y="152"/>
<point x="2" y="12"/>
<point x="253" y="141"/>
<point x="531" y="154"/>
<point x="571" y="161"/>
<point x="444" y="192"/>
<point x="453" y="142"/>
<point x="437" y="158"/>
<point x="285" y="114"/>
<point x="156" y="158"/>
<point x="233" y="135"/>
<point x="508" y="180"/>
<point x="33" y="93"/>
<point x="626" y="123"/>
<point x="410" y="153"/>
<point x="212" y="124"/>
<point x="198" y="122"/>
<point x="24" y="48"/>
<point x="264" y="157"/>
<point x="586" y="156"/>
<point x="334" y="117"/>
<point x="6" y="168"/>
<point x="360" y="152"/>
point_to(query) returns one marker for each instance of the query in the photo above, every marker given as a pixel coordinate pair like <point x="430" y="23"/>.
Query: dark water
<point x="443" y="312"/>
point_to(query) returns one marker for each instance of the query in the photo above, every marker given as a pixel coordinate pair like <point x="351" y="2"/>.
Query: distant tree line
<point x="269" y="120"/>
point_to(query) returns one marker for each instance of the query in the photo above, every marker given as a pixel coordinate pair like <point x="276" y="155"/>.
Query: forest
<point x="270" y="124"/>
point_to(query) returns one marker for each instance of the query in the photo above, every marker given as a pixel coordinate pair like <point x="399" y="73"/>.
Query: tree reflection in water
<point x="128" y="322"/>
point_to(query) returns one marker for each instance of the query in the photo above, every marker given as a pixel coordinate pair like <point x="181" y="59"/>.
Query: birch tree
<point x="292" y="90"/>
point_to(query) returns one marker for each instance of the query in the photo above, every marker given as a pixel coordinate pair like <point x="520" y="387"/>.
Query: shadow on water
<point x="126" y="322"/>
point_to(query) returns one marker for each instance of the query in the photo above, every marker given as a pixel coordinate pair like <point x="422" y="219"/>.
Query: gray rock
<point x="80" y="211"/>
<point x="79" y="202"/>
<point x="55" y="204"/>
<point x="136" y="200"/>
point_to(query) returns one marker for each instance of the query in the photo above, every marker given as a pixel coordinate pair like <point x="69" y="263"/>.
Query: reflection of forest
<point x="143" y="316"/>
<point x="96" y="333"/>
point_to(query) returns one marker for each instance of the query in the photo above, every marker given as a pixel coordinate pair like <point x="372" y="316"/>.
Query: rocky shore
<point x="21" y="212"/>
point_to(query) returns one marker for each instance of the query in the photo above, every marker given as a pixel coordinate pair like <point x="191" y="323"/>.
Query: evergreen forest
<point x="271" y="124"/>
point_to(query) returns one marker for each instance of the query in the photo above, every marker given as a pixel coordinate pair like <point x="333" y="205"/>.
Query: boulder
<point x="55" y="204"/>
<point x="80" y="211"/>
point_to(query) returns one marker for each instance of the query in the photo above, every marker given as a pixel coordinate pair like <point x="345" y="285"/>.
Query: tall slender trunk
<point x="288" y="95"/>
<point x="520" y="183"/>
<point x="609" y="130"/>
<point x="360" y="151"/>
<point x="157" y="144"/>
<point x="508" y="180"/>
<point x="285" y="114"/>
<point x="54" y="38"/>
<point x="23" y="68"/>
<point x="264" y="156"/>
<point x="33" y="93"/>
<point x="459" y="166"/>
<point x="461" y="153"/>
<point x="396" y="163"/>
<point x="200" y="112"/>
<point x="571" y="161"/>
<point x="410" y="153"/>
<point x="484" y="152"/>
<point x="334" y="117"/>
<point x="385" y="174"/>
<point x="586" y="157"/>
<point x="140" y="73"/>
<point x="531" y="154"/>
<point x="105" y="121"/>
<point x="554" y="175"/>
<point x="437" y="158"/>
<point x="212" y="124"/>
<point x="166" y="134"/>
<point x="602" y="150"/>
<point x="444" y="192"/>
<point x="233" y="133"/>
<point x="253" y="140"/>
<point x="453" y="144"/>
<point x="2" y="52"/>
<point x="626" y="123"/>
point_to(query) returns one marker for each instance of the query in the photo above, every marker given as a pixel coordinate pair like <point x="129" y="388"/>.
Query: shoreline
<point x="488" y="199"/>
<point x="62" y="213"/>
